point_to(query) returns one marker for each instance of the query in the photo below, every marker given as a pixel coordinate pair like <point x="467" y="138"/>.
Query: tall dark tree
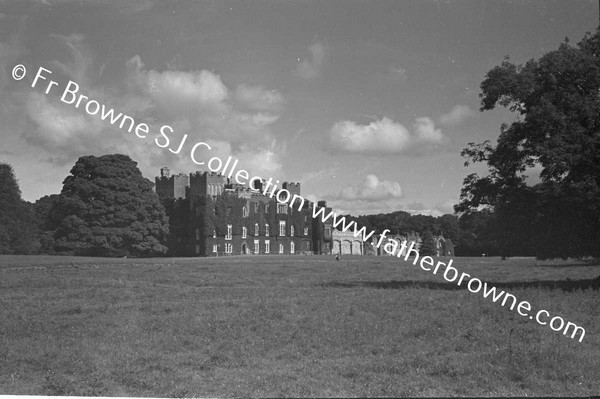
<point x="427" y="245"/>
<point x="556" y="100"/>
<point x="476" y="234"/>
<point x="47" y="221"/>
<point x="17" y="227"/>
<point x="107" y="208"/>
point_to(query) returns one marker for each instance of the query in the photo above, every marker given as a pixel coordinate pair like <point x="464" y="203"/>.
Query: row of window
<point x="229" y="247"/>
<point x="229" y="234"/>
<point x="281" y="209"/>
<point x="282" y="226"/>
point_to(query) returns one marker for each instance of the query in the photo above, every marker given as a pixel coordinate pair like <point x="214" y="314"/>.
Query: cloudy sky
<point x="366" y="103"/>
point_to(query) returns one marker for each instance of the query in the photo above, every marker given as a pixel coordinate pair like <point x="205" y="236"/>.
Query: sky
<point x="366" y="103"/>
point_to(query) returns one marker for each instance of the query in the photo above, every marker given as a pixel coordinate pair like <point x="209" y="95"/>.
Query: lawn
<point x="290" y="326"/>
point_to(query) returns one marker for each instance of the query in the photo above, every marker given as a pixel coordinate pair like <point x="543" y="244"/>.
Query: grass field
<point x="290" y="326"/>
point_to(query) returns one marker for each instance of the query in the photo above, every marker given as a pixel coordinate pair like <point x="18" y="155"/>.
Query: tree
<point x="107" y="208"/>
<point x="17" y="227"/>
<point x="427" y="245"/>
<point x="46" y="221"/>
<point x="556" y="100"/>
<point x="449" y="227"/>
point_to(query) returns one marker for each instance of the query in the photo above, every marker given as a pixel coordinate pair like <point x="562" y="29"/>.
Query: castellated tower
<point x="293" y="188"/>
<point x="202" y="184"/>
<point x="174" y="186"/>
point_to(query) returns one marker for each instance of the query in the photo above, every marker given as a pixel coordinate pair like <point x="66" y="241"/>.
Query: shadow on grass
<point x="565" y="285"/>
<point x="570" y="263"/>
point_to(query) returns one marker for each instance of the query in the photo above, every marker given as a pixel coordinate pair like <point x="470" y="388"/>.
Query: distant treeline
<point x="471" y="234"/>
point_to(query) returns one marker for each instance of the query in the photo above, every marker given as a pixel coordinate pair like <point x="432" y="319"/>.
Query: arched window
<point x="282" y="228"/>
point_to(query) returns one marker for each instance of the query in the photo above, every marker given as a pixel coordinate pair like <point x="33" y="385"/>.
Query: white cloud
<point x="201" y="104"/>
<point x="202" y="87"/>
<point x="372" y="189"/>
<point x="426" y="131"/>
<point x="383" y="136"/>
<point x="310" y="68"/>
<point x="367" y="196"/>
<point x="196" y="103"/>
<point x="457" y="115"/>
<point x="177" y="90"/>
<point x="258" y="98"/>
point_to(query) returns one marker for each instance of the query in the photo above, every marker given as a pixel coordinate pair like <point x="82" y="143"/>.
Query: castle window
<point x="244" y="232"/>
<point x="215" y="233"/>
<point x="244" y="212"/>
<point x="197" y="249"/>
<point x="266" y="230"/>
<point x="282" y="208"/>
<point x="281" y="248"/>
<point x="228" y="248"/>
<point x="255" y="229"/>
<point x="256" y="246"/>
<point x="267" y="246"/>
<point x="291" y="230"/>
<point x="306" y="231"/>
<point x="256" y="207"/>
<point x="282" y="228"/>
<point x="215" y="248"/>
<point x="292" y="247"/>
<point x="197" y="234"/>
<point x="267" y="207"/>
<point x="229" y="230"/>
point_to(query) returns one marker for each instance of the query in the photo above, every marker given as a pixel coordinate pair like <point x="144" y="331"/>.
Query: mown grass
<point x="289" y="326"/>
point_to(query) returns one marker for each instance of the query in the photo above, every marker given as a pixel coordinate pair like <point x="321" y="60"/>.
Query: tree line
<point x="107" y="208"/>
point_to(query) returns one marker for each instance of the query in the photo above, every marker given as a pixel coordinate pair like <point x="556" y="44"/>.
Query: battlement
<point x="293" y="188"/>
<point x="171" y="186"/>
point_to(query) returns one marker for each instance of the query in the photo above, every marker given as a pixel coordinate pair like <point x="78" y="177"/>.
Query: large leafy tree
<point x="556" y="101"/>
<point x="107" y="208"/>
<point x="17" y="226"/>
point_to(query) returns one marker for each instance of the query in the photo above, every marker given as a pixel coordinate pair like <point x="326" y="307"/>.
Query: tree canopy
<point x="107" y="208"/>
<point x="556" y="101"/>
<point x="17" y="226"/>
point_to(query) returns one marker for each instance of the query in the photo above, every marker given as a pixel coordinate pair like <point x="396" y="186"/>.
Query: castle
<point x="209" y="215"/>
<point x="212" y="216"/>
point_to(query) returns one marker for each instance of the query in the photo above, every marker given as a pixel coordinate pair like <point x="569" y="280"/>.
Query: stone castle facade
<point x="209" y="215"/>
